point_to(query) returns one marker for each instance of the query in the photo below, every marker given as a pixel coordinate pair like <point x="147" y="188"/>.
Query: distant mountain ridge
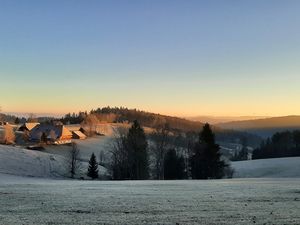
<point x="264" y="127"/>
<point x="223" y="119"/>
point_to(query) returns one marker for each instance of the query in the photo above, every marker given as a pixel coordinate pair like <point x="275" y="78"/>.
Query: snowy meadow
<point x="237" y="201"/>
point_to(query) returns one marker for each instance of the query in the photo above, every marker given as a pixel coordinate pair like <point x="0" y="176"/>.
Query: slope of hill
<point x="264" y="127"/>
<point x="279" y="167"/>
<point x="18" y="161"/>
<point x="22" y="162"/>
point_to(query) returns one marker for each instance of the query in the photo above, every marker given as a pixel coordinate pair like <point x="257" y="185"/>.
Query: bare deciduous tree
<point x="9" y="135"/>
<point x="32" y="118"/>
<point x="107" y="117"/>
<point x="119" y="163"/>
<point x="101" y="158"/>
<point x="73" y="162"/>
<point x="90" y="122"/>
<point x="160" y="139"/>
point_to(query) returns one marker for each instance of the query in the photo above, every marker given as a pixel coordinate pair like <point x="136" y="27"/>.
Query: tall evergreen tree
<point x="174" y="166"/>
<point x="93" y="167"/>
<point x="136" y="146"/>
<point x="170" y="165"/>
<point x="206" y="160"/>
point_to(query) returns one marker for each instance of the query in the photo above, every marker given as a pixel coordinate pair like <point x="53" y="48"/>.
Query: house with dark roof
<point x="57" y="134"/>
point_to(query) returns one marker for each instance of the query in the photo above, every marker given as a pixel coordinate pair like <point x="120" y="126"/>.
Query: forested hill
<point x="148" y="119"/>
<point x="153" y="120"/>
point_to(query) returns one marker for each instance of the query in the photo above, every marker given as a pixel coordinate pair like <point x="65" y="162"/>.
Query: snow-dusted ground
<point x="31" y="200"/>
<point x="18" y="161"/>
<point x="237" y="201"/>
<point x="94" y="145"/>
<point x="279" y="167"/>
<point x="52" y="162"/>
<point x="23" y="162"/>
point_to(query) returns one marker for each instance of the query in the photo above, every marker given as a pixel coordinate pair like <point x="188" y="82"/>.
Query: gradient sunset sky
<point x="183" y="58"/>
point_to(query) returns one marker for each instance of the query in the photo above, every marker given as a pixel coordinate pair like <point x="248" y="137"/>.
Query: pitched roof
<point x="60" y="131"/>
<point x="73" y="127"/>
<point x="29" y="126"/>
<point x="79" y="134"/>
<point x="65" y="131"/>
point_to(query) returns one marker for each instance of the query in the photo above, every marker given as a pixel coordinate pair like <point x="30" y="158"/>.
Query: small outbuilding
<point x="78" y="135"/>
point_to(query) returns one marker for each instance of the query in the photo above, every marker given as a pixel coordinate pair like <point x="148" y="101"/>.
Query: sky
<point x="183" y="58"/>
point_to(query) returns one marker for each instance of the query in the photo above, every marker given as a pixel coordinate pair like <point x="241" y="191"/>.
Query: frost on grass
<point x="237" y="201"/>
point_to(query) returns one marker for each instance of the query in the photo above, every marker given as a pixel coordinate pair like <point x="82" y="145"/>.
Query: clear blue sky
<point x="175" y="57"/>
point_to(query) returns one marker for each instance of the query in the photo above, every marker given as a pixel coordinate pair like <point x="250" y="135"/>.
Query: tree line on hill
<point x="281" y="144"/>
<point x="73" y="163"/>
<point x="31" y="118"/>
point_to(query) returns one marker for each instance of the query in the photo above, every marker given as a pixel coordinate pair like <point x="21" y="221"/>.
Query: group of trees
<point x="281" y="144"/>
<point x="74" y="118"/>
<point x="199" y="160"/>
<point x="130" y="158"/>
<point x="74" y="163"/>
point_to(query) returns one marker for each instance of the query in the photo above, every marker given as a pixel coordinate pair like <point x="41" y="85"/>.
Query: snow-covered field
<point x="94" y="145"/>
<point x="237" y="201"/>
<point x="23" y="162"/>
<point x="279" y="167"/>
<point x="18" y="161"/>
<point x="26" y="199"/>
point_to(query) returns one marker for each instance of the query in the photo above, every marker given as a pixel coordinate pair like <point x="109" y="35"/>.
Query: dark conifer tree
<point x="93" y="167"/>
<point x="181" y="168"/>
<point x="206" y="160"/>
<point x="136" y="146"/>
<point x="174" y="166"/>
<point x="170" y="165"/>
